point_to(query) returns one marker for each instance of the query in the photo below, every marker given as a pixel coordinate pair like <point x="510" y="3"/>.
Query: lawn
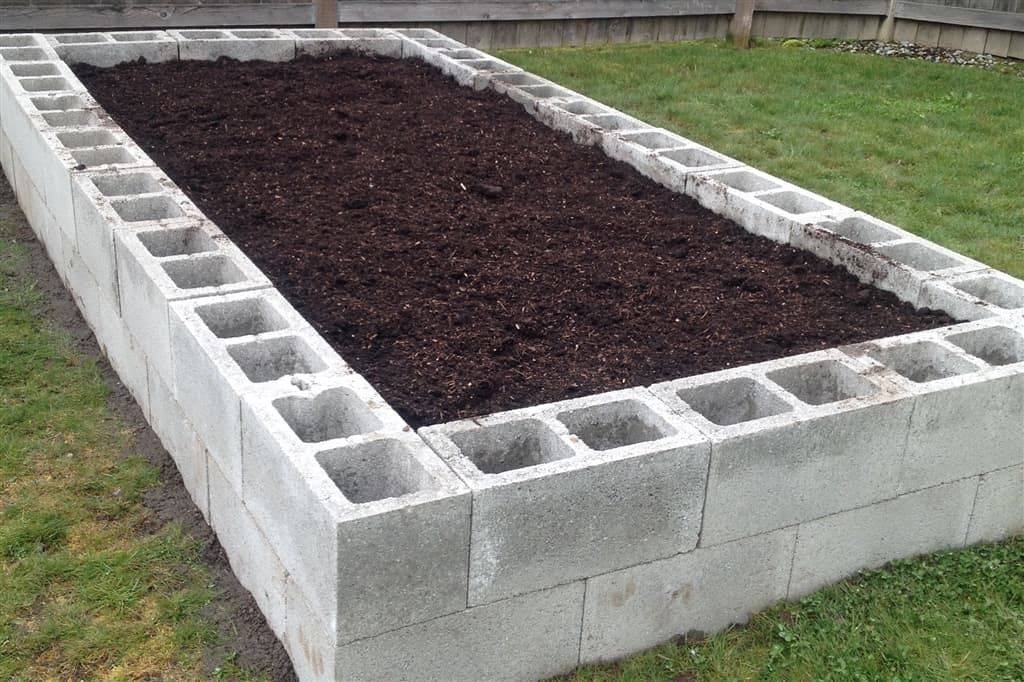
<point x="88" y="588"/>
<point x="936" y="149"/>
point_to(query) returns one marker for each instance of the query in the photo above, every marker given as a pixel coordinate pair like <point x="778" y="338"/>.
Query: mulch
<point x="463" y="257"/>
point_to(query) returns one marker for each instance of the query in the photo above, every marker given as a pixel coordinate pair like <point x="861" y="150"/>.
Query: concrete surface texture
<point x="515" y="545"/>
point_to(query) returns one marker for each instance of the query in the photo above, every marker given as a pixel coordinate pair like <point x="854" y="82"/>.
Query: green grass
<point x="87" y="591"/>
<point x="950" y="616"/>
<point x="936" y="149"/>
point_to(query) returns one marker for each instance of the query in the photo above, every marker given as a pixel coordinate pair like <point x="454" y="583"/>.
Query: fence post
<point x="888" y="28"/>
<point x="742" y="21"/>
<point x="325" y="13"/>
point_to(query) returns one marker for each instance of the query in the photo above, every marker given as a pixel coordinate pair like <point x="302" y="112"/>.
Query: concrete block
<point x="25" y="47"/>
<point x="663" y="156"/>
<point x="125" y="353"/>
<point x="7" y="160"/>
<point x="163" y="261"/>
<point x="105" y="203"/>
<point x="567" y="116"/>
<point x="265" y="44"/>
<point x="371" y="525"/>
<point x="252" y="559"/>
<point x="975" y="295"/>
<point x="998" y="507"/>
<point x="213" y="368"/>
<point x="518" y="85"/>
<point x="968" y="415"/>
<point x="110" y="49"/>
<point x="550" y="485"/>
<point x="832" y="548"/>
<point x="38" y="215"/>
<point x="82" y="286"/>
<point x="54" y="155"/>
<point x="476" y="69"/>
<point x="321" y="42"/>
<point x="704" y="591"/>
<point x="784" y="431"/>
<point x="881" y="254"/>
<point x="760" y="203"/>
<point x="29" y="122"/>
<point x="180" y="440"/>
<point x="417" y="43"/>
<point x="531" y="637"/>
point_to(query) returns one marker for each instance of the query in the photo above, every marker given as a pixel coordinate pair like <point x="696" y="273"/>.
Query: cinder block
<point x="663" y="156"/>
<point x="531" y="637"/>
<point x="125" y="353"/>
<point x="110" y="49"/>
<point x="43" y="224"/>
<point x="265" y="44"/>
<point x="478" y="70"/>
<point x="834" y="547"/>
<point x="975" y="295"/>
<point x="782" y="432"/>
<point x="105" y="203"/>
<point x="7" y="160"/>
<point x="567" y="116"/>
<point x="760" y="203"/>
<point x="180" y="440"/>
<point x="214" y="366"/>
<point x="252" y="559"/>
<point x="550" y="485"/>
<point x="54" y="155"/>
<point x="703" y="591"/>
<point x="999" y="506"/>
<point x="321" y="42"/>
<point x="82" y="286"/>
<point x="968" y="415"/>
<point x="371" y="525"/>
<point x="418" y="43"/>
<point x="163" y="261"/>
<point x="881" y="254"/>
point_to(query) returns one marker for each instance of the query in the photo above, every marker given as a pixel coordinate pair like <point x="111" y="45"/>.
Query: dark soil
<point x="243" y="631"/>
<point x="462" y="256"/>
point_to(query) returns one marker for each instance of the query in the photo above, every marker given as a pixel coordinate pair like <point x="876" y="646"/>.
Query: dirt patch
<point x="242" y="627"/>
<point x="460" y="255"/>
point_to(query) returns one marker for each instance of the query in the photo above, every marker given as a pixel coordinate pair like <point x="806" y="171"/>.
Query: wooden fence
<point x="995" y="26"/>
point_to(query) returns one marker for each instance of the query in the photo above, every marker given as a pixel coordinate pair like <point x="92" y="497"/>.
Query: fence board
<point x="56" y="17"/>
<point x="959" y="16"/>
<point x="370" y="11"/>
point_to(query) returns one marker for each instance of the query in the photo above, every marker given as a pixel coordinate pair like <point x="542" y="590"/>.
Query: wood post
<point x="888" y="27"/>
<point x="325" y="13"/>
<point x="742" y="22"/>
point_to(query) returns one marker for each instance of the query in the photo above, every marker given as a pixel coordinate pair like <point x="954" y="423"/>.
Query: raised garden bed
<point x="463" y="257"/>
<point x="521" y="543"/>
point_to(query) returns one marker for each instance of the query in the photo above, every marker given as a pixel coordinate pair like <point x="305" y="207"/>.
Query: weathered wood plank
<point x="878" y="7"/>
<point x="325" y="13"/>
<point x="504" y="34"/>
<point x="974" y="39"/>
<point x="478" y="34"/>
<point x="370" y="11"/>
<point x="951" y="37"/>
<point x="959" y="16"/>
<point x="48" y="18"/>
<point x="928" y="34"/>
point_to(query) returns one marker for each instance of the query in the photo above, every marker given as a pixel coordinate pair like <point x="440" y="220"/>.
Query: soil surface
<point x="463" y="257"/>
<point x="242" y="628"/>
